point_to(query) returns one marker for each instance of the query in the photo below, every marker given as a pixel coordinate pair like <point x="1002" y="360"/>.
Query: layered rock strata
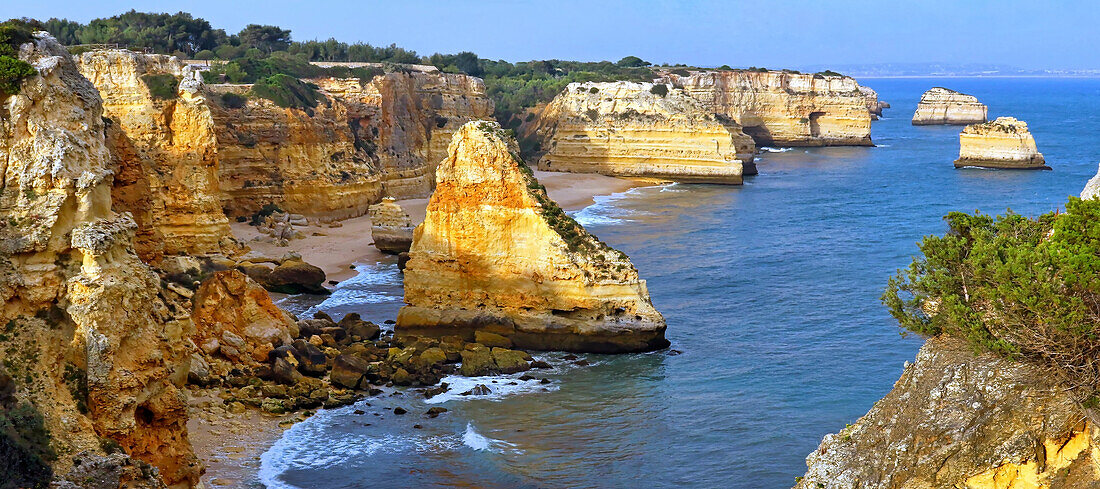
<point x="494" y="254"/>
<point x="641" y="130"/>
<point x="945" y="106"/>
<point x="391" y="228"/>
<point x="782" y="108"/>
<point x="1001" y="143"/>
<point x="164" y="151"/>
<point x="956" y="420"/>
<point x="90" y="337"/>
<point x="406" y="119"/>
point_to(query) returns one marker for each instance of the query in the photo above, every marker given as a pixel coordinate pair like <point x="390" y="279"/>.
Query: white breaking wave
<point x="479" y="442"/>
<point x="351" y="291"/>
<point x="769" y="149"/>
<point x="506" y="385"/>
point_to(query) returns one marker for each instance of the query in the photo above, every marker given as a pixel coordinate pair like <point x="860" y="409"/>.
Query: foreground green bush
<point x="1017" y="286"/>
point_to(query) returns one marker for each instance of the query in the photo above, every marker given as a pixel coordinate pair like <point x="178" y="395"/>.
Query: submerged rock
<point x="1002" y="143"/>
<point x="956" y="419"/>
<point x="945" y="106"/>
<point x="496" y="254"/>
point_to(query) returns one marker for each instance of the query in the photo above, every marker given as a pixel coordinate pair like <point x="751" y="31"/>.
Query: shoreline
<point x="230" y="444"/>
<point x="334" y="247"/>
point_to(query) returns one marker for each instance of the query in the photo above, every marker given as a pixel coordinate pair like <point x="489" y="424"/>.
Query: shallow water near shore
<point x="771" y="293"/>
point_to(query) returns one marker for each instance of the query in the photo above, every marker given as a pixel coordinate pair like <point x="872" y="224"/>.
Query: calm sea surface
<point x="771" y="292"/>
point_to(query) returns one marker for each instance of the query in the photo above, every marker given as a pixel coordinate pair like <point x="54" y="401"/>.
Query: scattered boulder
<point x="477" y="362"/>
<point x="492" y="340"/>
<point x="510" y="361"/>
<point x="391" y="227"/>
<point x="435" y="411"/>
<point x="348" y="371"/>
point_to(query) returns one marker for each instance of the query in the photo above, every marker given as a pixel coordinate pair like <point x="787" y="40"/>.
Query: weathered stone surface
<point x="80" y="306"/>
<point x="348" y="371"/>
<point x="495" y="254"/>
<point x="641" y="130"/>
<point x="781" y="108"/>
<point x="956" y="420"/>
<point x="164" y="152"/>
<point x="391" y="228"/>
<point x="874" y="105"/>
<point x="292" y="276"/>
<point x="1092" y="188"/>
<point x="945" y="106"/>
<point x="1001" y="143"/>
<point x="231" y="308"/>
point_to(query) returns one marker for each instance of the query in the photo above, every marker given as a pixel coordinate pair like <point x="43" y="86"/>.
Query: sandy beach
<point x="231" y="444"/>
<point x="334" y="249"/>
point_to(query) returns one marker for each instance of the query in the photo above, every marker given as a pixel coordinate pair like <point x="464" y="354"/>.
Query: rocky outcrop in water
<point x="163" y="145"/>
<point x="874" y="105"/>
<point x="783" y="108"/>
<point x="945" y="106"/>
<point x="495" y="254"/>
<point x="641" y="130"/>
<point x="90" y="338"/>
<point x="391" y="228"/>
<point x="960" y="420"/>
<point x="1001" y="143"/>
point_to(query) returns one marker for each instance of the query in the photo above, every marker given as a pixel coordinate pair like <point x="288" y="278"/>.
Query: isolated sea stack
<point x="641" y="130"/>
<point x="784" y="108"/>
<point x="1001" y="143"/>
<point x="391" y="228"/>
<point x="960" y="420"/>
<point x="940" y="106"/>
<point x="495" y="254"/>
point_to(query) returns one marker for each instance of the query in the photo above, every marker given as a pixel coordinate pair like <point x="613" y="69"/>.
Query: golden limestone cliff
<point x="874" y="105"/>
<point x="307" y="162"/>
<point x="495" y="254"/>
<point x="641" y="130"/>
<point x="1001" y="143"/>
<point x="406" y="119"/>
<point x="89" y="339"/>
<point x="956" y="420"/>
<point x="164" y="150"/>
<point x="945" y="106"/>
<point x="781" y="108"/>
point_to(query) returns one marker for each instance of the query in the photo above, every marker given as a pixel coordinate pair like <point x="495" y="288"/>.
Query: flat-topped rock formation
<point x="495" y="254"/>
<point x="1001" y="143"/>
<point x="164" y="149"/>
<point x="391" y="228"/>
<point x="641" y="130"/>
<point x="956" y="419"/>
<point x="782" y="108"/>
<point x="92" y="341"/>
<point x="945" y="106"/>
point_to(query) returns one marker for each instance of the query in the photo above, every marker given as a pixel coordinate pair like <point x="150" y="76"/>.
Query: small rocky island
<point x="1001" y="143"/>
<point x="494" y="254"/>
<point x="939" y="106"/>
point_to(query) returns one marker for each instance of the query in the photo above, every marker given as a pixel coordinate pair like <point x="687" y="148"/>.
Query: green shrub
<point x="267" y="210"/>
<point x="14" y="33"/>
<point x="661" y="90"/>
<point x="288" y="92"/>
<point x="12" y="73"/>
<point x="233" y="100"/>
<point x="25" y="451"/>
<point x="829" y="73"/>
<point x="1023" y="287"/>
<point x="162" y="86"/>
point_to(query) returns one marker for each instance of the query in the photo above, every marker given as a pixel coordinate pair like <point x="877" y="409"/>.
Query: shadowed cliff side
<point x="495" y="254"/>
<point x="960" y="420"/>
<point x="88" y="335"/>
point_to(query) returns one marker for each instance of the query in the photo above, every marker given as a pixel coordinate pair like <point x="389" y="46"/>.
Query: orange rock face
<point x="231" y="302"/>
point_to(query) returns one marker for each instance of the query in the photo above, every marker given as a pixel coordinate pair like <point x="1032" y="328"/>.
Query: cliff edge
<point x="495" y="254"/>
<point x="641" y="130"/>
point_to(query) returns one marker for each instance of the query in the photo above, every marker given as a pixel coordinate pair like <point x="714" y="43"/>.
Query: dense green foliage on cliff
<point x="13" y="71"/>
<point x="1014" y="285"/>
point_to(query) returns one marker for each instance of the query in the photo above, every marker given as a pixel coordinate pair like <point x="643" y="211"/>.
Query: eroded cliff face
<point x="1001" y="143"/>
<point x="406" y="121"/>
<point x="1092" y="187"/>
<point x="945" y="106"/>
<point x="495" y="254"/>
<point x="92" y="340"/>
<point x="957" y="420"/>
<point x="641" y="130"/>
<point x="164" y="151"/>
<point x="236" y="322"/>
<point x="787" y="109"/>
<point x="874" y="105"/>
<point x="307" y="163"/>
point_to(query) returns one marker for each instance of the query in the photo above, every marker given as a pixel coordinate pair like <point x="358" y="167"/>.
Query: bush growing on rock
<point x="13" y="71"/>
<point x="162" y="86"/>
<point x="288" y="92"/>
<point x="1022" y="287"/>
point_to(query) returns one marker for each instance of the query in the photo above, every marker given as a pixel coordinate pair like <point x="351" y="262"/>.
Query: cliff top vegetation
<point x="1023" y="287"/>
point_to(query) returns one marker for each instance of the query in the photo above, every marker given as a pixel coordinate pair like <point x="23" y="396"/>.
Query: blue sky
<point x="772" y="33"/>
